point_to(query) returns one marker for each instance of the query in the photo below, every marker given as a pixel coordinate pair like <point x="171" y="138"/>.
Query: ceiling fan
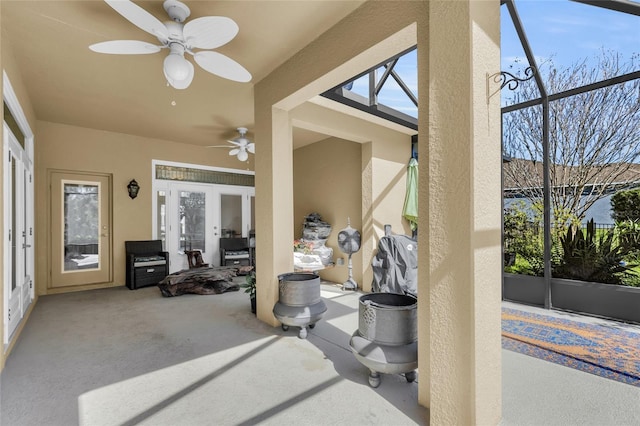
<point x="208" y="32"/>
<point x="240" y="147"/>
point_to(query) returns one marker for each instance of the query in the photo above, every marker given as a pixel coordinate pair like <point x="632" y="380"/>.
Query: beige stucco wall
<point x="385" y="153"/>
<point x="459" y="256"/>
<point x="327" y="181"/>
<point x="460" y="194"/>
<point x="125" y="157"/>
<point x="323" y="64"/>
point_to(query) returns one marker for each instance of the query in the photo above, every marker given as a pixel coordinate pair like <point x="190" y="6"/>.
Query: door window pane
<point x="25" y="208"/>
<point x="231" y="215"/>
<point x="81" y="226"/>
<point x="161" y="219"/>
<point x="192" y="220"/>
<point x="253" y="213"/>
<point x="14" y="227"/>
<point x="10" y="120"/>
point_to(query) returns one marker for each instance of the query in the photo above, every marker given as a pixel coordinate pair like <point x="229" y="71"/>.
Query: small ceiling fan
<point x="240" y="147"/>
<point x="208" y="32"/>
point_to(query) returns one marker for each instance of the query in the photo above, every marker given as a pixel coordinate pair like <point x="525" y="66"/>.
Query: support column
<point x="460" y="214"/>
<point x="274" y="213"/>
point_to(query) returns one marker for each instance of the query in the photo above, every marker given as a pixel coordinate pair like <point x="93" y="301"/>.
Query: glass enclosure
<point x="570" y="132"/>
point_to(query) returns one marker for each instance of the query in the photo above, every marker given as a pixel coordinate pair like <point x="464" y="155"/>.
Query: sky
<point x="565" y="31"/>
<point x="568" y="31"/>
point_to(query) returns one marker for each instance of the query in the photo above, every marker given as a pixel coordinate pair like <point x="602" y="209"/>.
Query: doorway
<point x="19" y="225"/>
<point x="81" y="247"/>
<point x="194" y="216"/>
<point x="18" y="198"/>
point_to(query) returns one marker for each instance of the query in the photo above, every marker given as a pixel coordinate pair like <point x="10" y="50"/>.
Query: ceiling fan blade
<point x="235" y="151"/>
<point x="210" y="32"/>
<point x="223" y="66"/>
<point x="251" y="148"/>
<point x="139" y="17"/>
<point x="125" y="47"/>
<point x="219" y="146"/>
<point x="235" y="142"/>
<point x="181" y="84"/>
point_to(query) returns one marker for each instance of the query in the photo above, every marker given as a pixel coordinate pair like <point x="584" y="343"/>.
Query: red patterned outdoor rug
<point x="597" y="349"/>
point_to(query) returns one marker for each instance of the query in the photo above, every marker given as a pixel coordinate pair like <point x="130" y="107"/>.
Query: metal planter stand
<point x="386" y="339"/>
<point x="299" y="302"/>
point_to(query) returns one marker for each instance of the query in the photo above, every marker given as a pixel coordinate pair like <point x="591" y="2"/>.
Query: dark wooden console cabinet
<point x="147" y="264"/>
<point x="235" y="252"/>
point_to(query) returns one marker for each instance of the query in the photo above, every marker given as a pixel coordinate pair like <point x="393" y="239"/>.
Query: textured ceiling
<point x="68" y="83"/>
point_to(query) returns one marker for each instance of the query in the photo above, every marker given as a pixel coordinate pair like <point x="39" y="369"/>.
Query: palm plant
<point x="592" y="256"/>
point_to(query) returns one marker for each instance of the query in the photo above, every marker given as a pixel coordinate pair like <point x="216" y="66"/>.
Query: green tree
<point x="625" y="205"/>
<point x="523" y="236"/>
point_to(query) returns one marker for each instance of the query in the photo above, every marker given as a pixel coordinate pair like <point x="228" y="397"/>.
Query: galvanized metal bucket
<point x="299" y="289"/>
<point x="388" y="318"/>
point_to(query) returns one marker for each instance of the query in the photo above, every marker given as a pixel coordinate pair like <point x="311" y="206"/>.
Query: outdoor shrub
<point x="523" y="236"/>
<point x="625" y="205"/>
<point x="592" y="256"/>
<point x="628" y="232"/>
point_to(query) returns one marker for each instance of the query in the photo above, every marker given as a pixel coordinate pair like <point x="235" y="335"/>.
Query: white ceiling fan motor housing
<point x="175" y="30"/>
<point x="177" y="10"/>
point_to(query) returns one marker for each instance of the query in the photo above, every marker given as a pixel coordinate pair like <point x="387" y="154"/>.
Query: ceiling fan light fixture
<point x="176" y="66"/>
<point x="242" y="155"/>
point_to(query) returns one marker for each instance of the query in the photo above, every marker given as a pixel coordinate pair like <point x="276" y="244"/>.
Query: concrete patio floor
<point x="121" y="357"/>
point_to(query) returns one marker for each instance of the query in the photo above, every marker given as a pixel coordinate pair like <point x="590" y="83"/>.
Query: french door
<point x="193" y="216"/>
<point x="19" y="253"/>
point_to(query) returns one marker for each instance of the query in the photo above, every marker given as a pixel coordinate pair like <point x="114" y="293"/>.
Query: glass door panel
<point x="13" y="308"/>
<point x="253" y="212"/>
<point x="161" y="217"/>
<point x="81" y="226"/>
<point x="192" y="213"/>
<point x="231" y="216"/>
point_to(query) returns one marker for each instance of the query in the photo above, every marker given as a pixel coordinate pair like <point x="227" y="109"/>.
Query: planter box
<point x="607" y="300"/>
<point x="523" y="288"/>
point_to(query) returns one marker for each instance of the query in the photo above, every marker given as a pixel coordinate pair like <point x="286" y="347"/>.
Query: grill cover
<point x="395" y="267"/>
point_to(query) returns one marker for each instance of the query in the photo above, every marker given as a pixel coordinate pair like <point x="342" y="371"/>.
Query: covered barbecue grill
<point x="395" y="267"/>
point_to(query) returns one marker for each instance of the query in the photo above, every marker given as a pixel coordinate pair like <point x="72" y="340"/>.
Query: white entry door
<point x="81" y="246"/>
<point x="18" y="202"/>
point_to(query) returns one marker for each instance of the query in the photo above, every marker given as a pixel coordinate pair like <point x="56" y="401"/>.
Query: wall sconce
<point x="133" y="188"/>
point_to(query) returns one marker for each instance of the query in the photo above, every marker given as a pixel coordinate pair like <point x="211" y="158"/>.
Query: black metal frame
<point x="371" y="104"/>
<point x="544" y="99"/>
<point x="624" y="6"/>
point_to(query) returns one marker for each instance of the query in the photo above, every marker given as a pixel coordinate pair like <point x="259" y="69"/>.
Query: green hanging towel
<point x="410" y="210"/>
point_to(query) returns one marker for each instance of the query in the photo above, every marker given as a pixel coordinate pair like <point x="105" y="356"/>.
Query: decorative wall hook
<point x="506" y="79"/>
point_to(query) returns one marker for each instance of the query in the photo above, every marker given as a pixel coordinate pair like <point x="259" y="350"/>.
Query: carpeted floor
<point x="596" y="349"/>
